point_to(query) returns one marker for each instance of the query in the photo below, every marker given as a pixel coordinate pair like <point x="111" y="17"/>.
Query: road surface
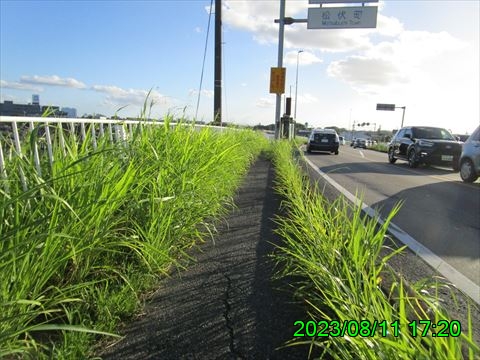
<point x="438" y="209"/>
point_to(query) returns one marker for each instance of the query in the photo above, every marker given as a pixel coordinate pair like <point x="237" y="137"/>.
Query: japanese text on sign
<point x="342" y="17"/>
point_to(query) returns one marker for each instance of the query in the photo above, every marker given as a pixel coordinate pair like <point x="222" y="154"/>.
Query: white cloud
<point x="117" y="96"/>
<point x="53" y="80"/>
<point x="253" y="16"/>
<point x="304" y="58"/>
<point x="257" y="17"/>
<point x="362" y="71"/>
<point x="416" y="47"/>
<point x="403" y="61"/>
<point x="19" y="86"/>
<point x="205" y="92"/>
<point x="307" y="99"/>
<point x="388" y="26"/>
<point x="327" y="40"/>
<point x="207" y="9"/>
<point x="265" y="102"/>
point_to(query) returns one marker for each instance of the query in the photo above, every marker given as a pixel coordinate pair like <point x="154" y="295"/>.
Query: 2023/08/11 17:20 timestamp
<point x="367" y="328"/>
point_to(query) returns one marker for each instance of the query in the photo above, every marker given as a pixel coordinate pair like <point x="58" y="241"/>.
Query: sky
<point x="104" y="57"/>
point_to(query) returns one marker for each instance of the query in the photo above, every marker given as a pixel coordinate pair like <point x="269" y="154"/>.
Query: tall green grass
<point x="334" y="252"/>
<point x="100" y="225"/>
<point x="381" y="147"/>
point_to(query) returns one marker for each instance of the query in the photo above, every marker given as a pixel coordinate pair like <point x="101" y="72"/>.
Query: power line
<point x="224" y="82"/>
<point x="204" y="57"/>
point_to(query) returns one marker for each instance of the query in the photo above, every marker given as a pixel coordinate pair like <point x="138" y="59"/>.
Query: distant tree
<point x="264" y="127"/>
<point x="336" y="128"/>
<point x="300" y="126"/>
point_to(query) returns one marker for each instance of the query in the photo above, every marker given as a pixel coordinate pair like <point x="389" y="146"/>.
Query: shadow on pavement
<point x="225" y="305"/>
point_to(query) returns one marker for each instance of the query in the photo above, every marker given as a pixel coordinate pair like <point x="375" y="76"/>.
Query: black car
<point x="425" y="145"/>
<point x="323" y="140"/>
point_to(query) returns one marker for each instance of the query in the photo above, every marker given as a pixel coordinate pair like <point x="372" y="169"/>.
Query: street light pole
<point x="281" y="31"/>
<point x="296" y="86"/>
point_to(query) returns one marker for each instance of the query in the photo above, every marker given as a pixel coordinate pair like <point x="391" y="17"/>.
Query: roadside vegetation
<point x="103" y="224"/>
<point x="100" y="226"/>
<point x="335" y="254"/>
<point x="381" y="147"/>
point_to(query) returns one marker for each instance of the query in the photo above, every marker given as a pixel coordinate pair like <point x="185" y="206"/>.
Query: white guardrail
<point x="116" y="130"/>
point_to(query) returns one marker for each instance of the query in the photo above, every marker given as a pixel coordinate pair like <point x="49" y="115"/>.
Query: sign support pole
<point x="403" y="115"/>
<point x="316" y="22"/>
<point x="392" y="107"/>
<point x="280" y="65"/>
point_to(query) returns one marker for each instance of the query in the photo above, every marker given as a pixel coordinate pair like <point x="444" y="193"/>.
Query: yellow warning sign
<point x="277" y="80"/>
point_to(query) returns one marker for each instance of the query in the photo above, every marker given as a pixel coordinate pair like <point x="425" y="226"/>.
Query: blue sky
<point x="99" y="56"/>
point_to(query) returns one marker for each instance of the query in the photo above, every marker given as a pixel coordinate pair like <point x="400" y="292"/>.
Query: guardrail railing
<point x="15" y="129"/>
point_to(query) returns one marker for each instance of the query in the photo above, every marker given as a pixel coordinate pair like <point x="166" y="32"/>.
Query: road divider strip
<point x="449" y="272"/>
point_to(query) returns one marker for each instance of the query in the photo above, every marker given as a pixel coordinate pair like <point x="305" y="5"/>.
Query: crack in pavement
<point x="227" y="318"/>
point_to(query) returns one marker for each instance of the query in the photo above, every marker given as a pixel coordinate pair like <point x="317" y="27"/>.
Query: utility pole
<point x="217" y="92"/>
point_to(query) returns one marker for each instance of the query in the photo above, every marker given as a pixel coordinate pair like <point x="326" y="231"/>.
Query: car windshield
<point x="432" y="133"/>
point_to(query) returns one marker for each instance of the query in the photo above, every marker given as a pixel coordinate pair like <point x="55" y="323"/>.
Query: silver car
<point x="470" y="159"/>
<point x="361" y="143"/>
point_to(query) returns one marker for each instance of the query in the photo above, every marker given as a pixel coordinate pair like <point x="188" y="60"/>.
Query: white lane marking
<point x="457" y="278"/>
<point x="448" y="176"/>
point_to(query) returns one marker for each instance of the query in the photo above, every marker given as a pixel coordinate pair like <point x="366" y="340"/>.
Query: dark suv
<point x="323" y="140"/>
<point x="425" y="145"/>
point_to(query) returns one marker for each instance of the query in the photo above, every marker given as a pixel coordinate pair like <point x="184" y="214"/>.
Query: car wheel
<point x="336" y="152"/>
<point x="467" y="171"/>
<point x="391" y="158"/>
<point x="412" y="159"/>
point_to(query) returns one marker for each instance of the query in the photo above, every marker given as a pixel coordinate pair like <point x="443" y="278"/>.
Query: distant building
<point x="8" y="108"/>
<point x="53" y="111"/>
<point x="71" y="112"/>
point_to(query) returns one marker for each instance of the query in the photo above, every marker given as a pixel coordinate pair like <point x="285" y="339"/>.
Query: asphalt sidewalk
<point x="225" y="305"/>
